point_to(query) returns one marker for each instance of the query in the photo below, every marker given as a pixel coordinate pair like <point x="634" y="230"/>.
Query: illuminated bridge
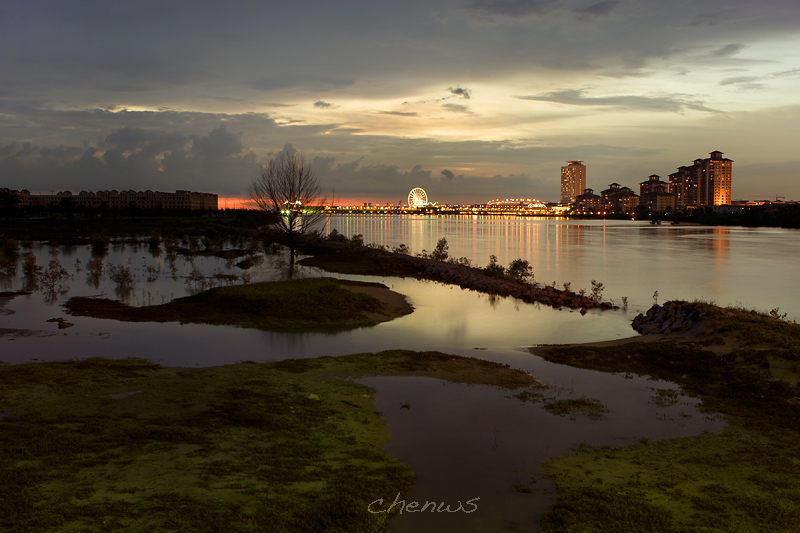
<point x="515" y="206"/>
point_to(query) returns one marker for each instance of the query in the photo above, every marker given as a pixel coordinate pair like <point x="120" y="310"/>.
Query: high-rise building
<point x="573" y="181"/>
<point x="706" y="182"/>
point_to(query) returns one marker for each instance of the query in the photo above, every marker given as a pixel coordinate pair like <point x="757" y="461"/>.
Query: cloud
<point x="673" y="104"/>
<point x="786" y="73"/>
<point x="511" y="8"/>
<point x="355" y="179"/>
<point x="459" y="91"/>
<point x="749" y="82"/>
<point x="600" y="9"/>
<point x="319" y="104"/>
<point x="738" y="79"/>
<point x="728" y="50"/>
<point x="133" y="158"/>
<point x="456" y="108"/>
<point x="398" y="113"/>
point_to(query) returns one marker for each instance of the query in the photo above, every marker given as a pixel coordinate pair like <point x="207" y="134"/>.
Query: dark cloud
<point x="398" y="113"/>
<point x="600" y="9"/>
<point x="576" y="97"/>
<point x="460" y="91"/>
<point x="133" y="158"/>
<point x="511" y="8"/>
<point x="456" y="108"/>
<point x="448" y="175"/>
<point x="322" y="105"/>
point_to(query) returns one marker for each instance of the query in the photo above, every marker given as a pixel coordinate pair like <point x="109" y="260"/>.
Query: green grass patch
<point x="737" y="480"/>
<point x="108" y="445"/>
<point x="570" y="407"/>
<point x="743" y="479"/>
<point x="314" y="304"/>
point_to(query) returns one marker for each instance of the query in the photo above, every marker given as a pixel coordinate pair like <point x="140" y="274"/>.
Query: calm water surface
<point x="464" y="442"/>
<point x="753" y="267"/>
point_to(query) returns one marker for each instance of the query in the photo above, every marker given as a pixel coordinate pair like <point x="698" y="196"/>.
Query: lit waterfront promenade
<point x="515" y="207"/>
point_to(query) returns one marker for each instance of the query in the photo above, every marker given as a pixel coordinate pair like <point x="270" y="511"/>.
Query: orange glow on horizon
<point x="233" y="202"/>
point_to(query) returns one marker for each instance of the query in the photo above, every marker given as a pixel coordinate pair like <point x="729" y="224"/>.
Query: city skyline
<point x="468" y="99"/>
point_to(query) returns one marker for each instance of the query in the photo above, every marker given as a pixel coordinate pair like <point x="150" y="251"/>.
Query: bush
<point x="520" y="270"/>
<point x="440" y="252"/>
<point x="121" y="275"/>
<point x="494" y="269"/>
<point x="335" y="236"/>
<point x="597" y="290"/>
<point x="99" y="244"/>
<point x="54" y="278"/>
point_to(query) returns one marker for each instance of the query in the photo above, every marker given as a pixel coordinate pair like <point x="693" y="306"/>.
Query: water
<point x="752" y="267"/>
<point x="463" y="441"/>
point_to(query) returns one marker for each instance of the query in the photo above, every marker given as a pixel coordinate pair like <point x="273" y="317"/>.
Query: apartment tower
<point x="573" y="181"/>
<point x="706" y="182"/>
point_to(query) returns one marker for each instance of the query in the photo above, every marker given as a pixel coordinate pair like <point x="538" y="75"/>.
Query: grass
<point x="742" y="479"/>
<point x="110" y="445"/>
<point x="570" y="407"/>
<point x="315" y="304"/>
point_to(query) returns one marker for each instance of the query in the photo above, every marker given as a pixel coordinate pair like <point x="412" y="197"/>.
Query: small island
<point x="311" y="304"/>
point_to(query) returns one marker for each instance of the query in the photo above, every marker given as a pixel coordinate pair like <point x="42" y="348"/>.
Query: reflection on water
<point x="463" y="441"/>
<point x="754" y="267"/>
<point x="466" y="441"/>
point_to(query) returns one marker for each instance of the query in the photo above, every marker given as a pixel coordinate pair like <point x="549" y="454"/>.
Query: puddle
<point x="468" y="441"/>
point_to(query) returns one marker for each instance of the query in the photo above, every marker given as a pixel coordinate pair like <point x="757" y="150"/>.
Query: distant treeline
<point x="768" y="215"/>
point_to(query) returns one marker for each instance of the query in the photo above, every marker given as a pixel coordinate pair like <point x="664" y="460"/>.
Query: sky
<point x="471" y="100"/>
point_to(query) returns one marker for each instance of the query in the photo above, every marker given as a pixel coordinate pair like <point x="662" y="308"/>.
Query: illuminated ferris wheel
<point x="417" y="198"/>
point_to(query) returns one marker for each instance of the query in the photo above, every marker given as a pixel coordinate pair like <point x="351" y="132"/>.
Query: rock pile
<point x="474" y="279"/>
<point x="670" y="317"/>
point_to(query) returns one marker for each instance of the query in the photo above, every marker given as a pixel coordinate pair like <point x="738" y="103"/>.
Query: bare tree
<point x="289" y="189"/>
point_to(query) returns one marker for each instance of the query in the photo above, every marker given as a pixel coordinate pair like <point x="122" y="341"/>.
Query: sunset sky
<point x="469" y="99"/>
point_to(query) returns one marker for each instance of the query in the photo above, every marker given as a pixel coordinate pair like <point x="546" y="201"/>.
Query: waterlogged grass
<point x="746" y="478"/>
<point x="314" y="304"/>
<point x="109" y="445"/>
<point x="570" y="407"/>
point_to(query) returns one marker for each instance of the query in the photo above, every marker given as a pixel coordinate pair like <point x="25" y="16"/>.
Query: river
<point x="751" y="267"/>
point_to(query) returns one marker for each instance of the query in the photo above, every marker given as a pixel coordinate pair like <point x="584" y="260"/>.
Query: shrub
<point x="335" y="236"/>
<point x="99" y="243"/>
<point x="597" y="290"/>
<point x="494" y="269"/>
<point x="520" y="270"/>
<point x="30" y="269"/>
<point x="54" y="277"/>
<point x="121" y="275"/>
<point x="440" y="252"/>
<point x="402" y="249"/>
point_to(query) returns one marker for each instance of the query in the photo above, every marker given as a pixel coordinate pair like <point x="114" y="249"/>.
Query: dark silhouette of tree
<point x="9" y="200"/>
<point x="68" y="206"/>
<point x="289" y="190"/>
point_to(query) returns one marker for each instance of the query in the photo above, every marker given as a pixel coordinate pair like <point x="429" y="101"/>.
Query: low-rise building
<point x="114" y="200"/>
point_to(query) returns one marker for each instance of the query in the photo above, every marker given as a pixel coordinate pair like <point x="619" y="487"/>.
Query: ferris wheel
<point x="417" y="198"/>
